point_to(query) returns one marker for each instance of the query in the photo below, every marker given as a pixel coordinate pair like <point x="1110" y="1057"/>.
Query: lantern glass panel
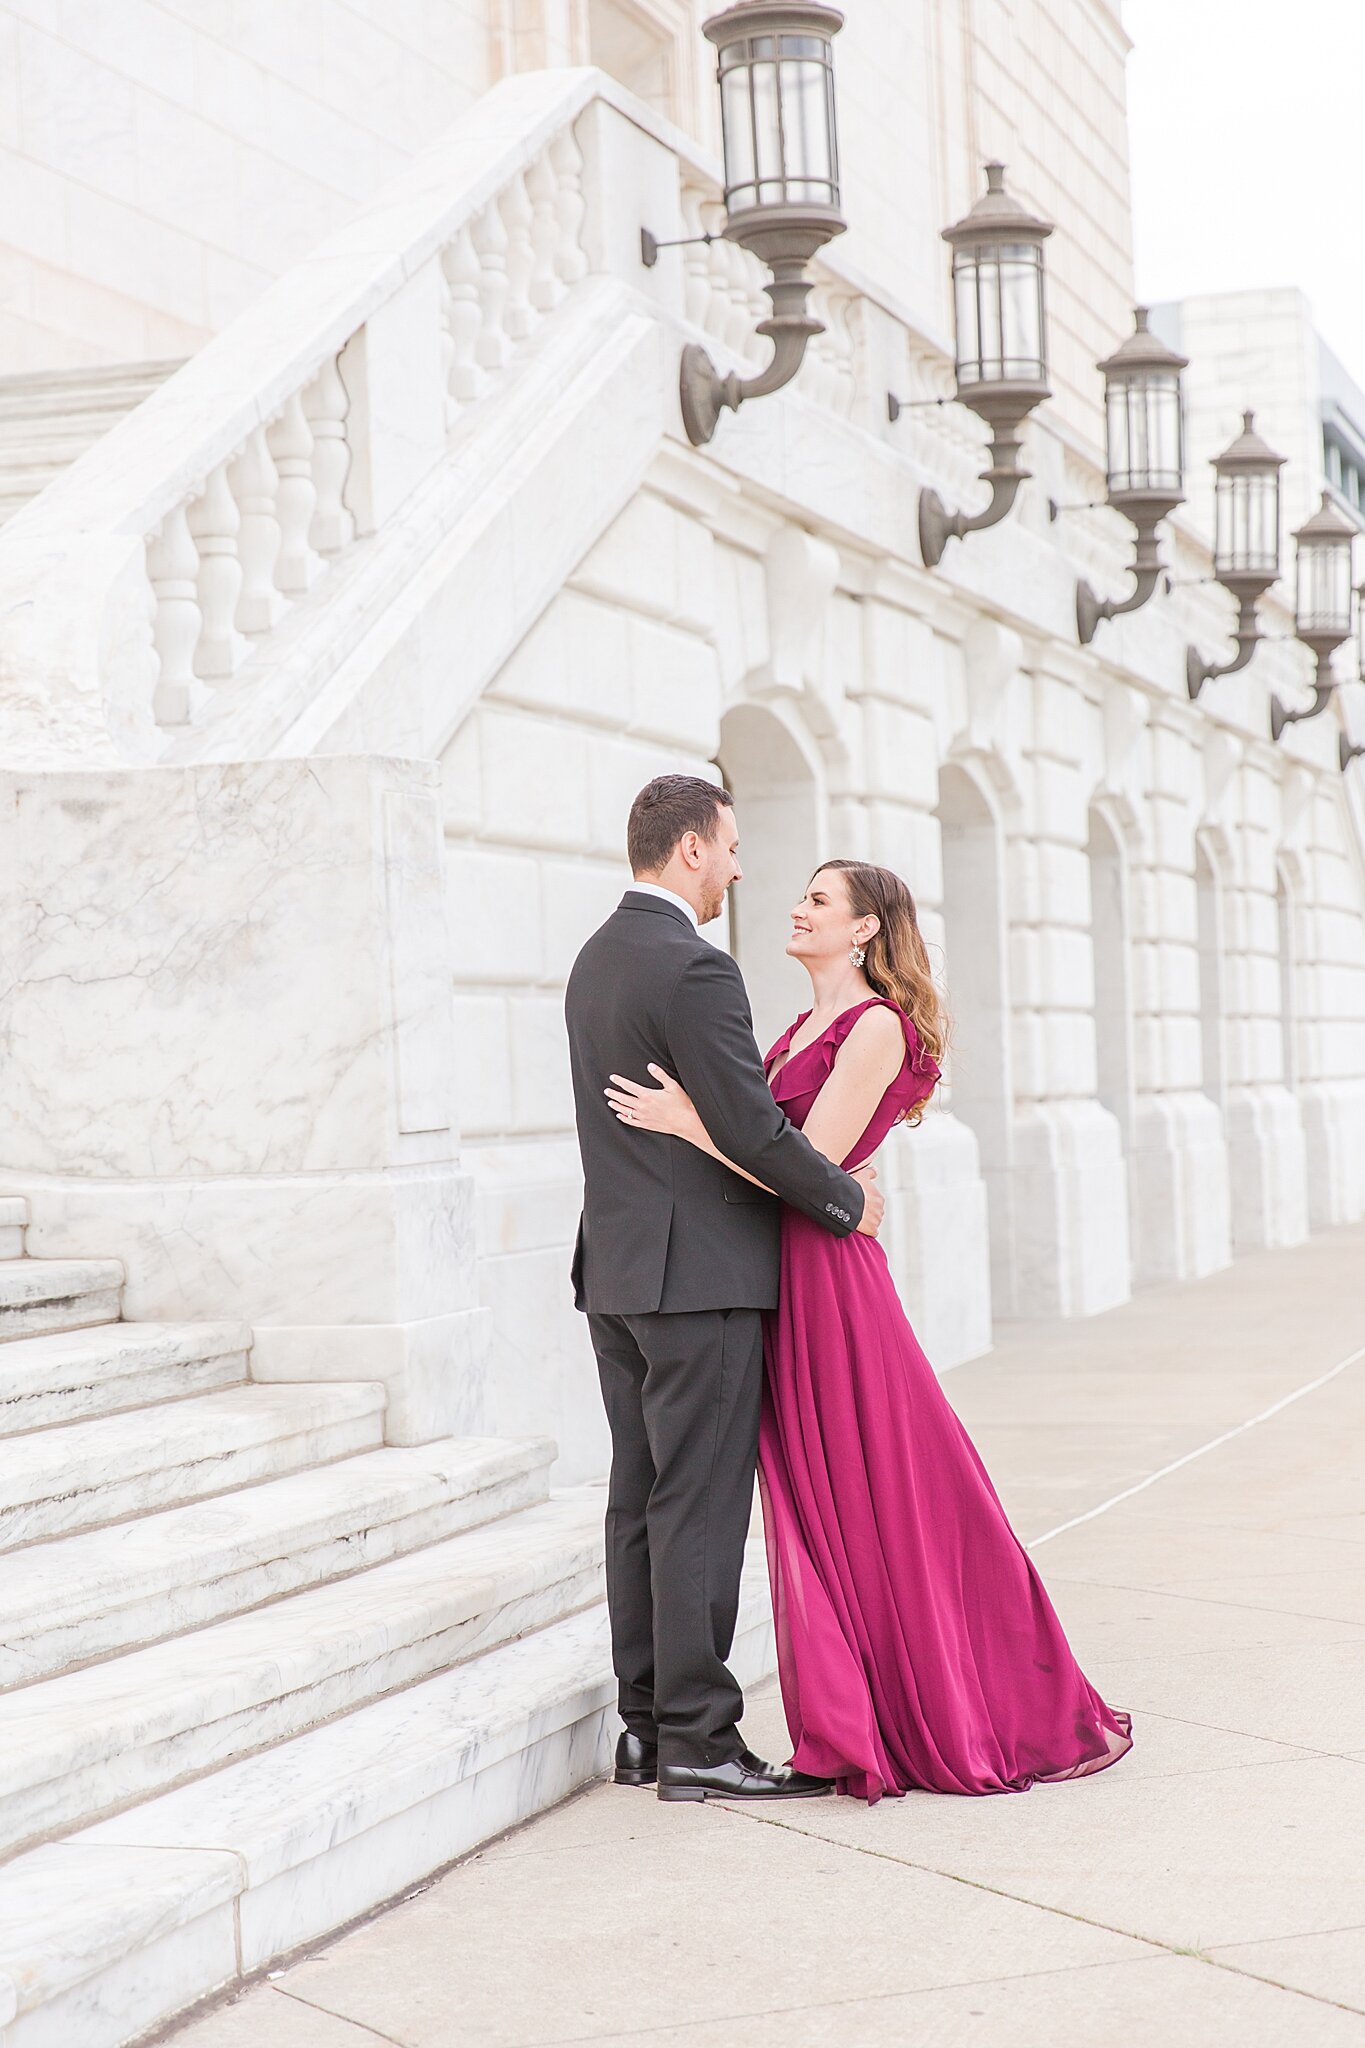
<point x="806" y="131"/>
<point x="1247" y="523"/>
<point x="998" y="301"/>
<point x="767" y="114"/>
<point x="1144" y="432"/>
<point x="777" y="118"/>
<point x="1323" y="599"/>
<point x="740" y="164"/>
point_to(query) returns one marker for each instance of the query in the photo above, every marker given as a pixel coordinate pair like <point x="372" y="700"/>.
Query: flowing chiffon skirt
<point x="916" y="1644"/>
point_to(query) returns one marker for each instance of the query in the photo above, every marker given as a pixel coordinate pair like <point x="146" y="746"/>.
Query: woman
<point x="915" y="1643"/>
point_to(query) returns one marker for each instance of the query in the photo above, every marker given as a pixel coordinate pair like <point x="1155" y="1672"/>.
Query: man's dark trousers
<point x="682" y="1397"/>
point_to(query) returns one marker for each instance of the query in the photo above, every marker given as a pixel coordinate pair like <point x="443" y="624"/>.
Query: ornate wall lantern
<point x="1348" y="750"/>
<point x="1322" y="603"/>
<point x="998" y="315"/>
<point x="776" y="73"/>
<point x="1144" y="435"/>
<point x="1246" y="544"/>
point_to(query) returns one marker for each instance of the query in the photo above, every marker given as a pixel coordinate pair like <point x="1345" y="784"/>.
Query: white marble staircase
<point x="259" y="1671"/>
<point x="49" y="418"/>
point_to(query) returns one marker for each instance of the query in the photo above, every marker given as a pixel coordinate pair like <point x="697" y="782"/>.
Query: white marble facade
<point x="284" y="1004"/>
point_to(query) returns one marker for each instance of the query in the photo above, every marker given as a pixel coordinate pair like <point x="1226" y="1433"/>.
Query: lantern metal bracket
<point x="1248" y="636"/>
<point x="704" y="393"/>
<point x="650" y="245"/>
<point x="937" y="525"/>
<point x="1147" y="575"/>
<point x="896" y="406"/>
<point x="1323" y="692"/>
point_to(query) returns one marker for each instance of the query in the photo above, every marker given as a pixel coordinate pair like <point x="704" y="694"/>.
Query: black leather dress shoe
<point x="745" y="1776"/>
<point x="637" y="1761"/>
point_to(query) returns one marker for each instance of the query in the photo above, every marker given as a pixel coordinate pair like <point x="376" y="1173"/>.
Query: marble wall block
<point x="226" y="999"/>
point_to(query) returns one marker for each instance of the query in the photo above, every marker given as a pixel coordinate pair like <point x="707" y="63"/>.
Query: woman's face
<point x="823" y="924"/>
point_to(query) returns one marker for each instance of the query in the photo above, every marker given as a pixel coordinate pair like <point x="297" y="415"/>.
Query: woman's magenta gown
<point x="915" y="1643"/>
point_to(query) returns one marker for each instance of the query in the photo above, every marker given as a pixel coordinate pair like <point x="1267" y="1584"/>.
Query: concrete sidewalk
<point x="1208" y="1891"/>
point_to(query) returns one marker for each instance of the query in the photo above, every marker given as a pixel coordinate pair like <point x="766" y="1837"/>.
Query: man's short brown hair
<point x="666" y="808"/>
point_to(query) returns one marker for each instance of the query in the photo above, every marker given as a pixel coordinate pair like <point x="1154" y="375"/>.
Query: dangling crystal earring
<point x="857" y="954"/>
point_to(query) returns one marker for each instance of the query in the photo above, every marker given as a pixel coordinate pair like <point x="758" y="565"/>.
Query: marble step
<point x="82" y="418"/>
<point x="56" y="1481"/>
<point x="124" y="1925"/>
<point x="92" y="1741"/>
<point x="49" y="418"/>
<point x="57" y="1294"/>
<point x="13" y="1222"/>
<point x="121" y="385"/>
<point x="29" y="471"/>
<point x="88" y="1596"/>
<point x="72" y="1375"/>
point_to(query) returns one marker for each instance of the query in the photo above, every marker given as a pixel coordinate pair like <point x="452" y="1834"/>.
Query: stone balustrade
<point x="268" y="523"/>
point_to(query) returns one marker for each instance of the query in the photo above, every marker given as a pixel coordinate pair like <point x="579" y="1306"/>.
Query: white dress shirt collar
<point x="667" y="896"/>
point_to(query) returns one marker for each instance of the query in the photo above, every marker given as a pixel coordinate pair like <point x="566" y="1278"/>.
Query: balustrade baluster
<point x="696" y="259"/>
<point x="490" y="240"/>
<point x="845" y="355"/>
<point x="214" y="523"/>
<point x="325" y="406"/>
<point x="719" y="306"/>
<point x="517" y="215"/>
<point x="542" y="187"/>
<point x="739" y="324"/>
<point x="816" y="376"/>
<point x="290" y="440"/>
<point x="566" y="160"/>
<point x="460" y="267"/>
<point x="253" y="480"/>
<point x="173" y="570"/>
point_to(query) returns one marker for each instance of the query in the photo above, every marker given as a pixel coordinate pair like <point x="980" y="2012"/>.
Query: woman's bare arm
<point x="865" y="1066"/>
<point x="668" y="1108"/>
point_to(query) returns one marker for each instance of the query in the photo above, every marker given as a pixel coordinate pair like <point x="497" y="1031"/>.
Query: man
<point x="676" y="1257"/>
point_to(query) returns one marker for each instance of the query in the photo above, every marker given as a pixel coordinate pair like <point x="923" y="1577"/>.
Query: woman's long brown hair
<point x="897" y="962"/>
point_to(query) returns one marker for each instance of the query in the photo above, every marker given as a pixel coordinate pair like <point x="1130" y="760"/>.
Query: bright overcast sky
<point x="1248" y="153"/>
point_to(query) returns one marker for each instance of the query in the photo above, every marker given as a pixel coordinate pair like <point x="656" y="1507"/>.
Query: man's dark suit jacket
<point x="665" y="1227"/>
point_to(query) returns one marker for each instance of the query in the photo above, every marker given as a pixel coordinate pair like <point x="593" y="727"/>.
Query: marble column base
<point x="1333" y="1115"/>
<point x="1268" y="1167"/>
<point x="1179" y="1189"/>
<point x="1069" y="1201"/>
<point x="937" y="1237"/>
